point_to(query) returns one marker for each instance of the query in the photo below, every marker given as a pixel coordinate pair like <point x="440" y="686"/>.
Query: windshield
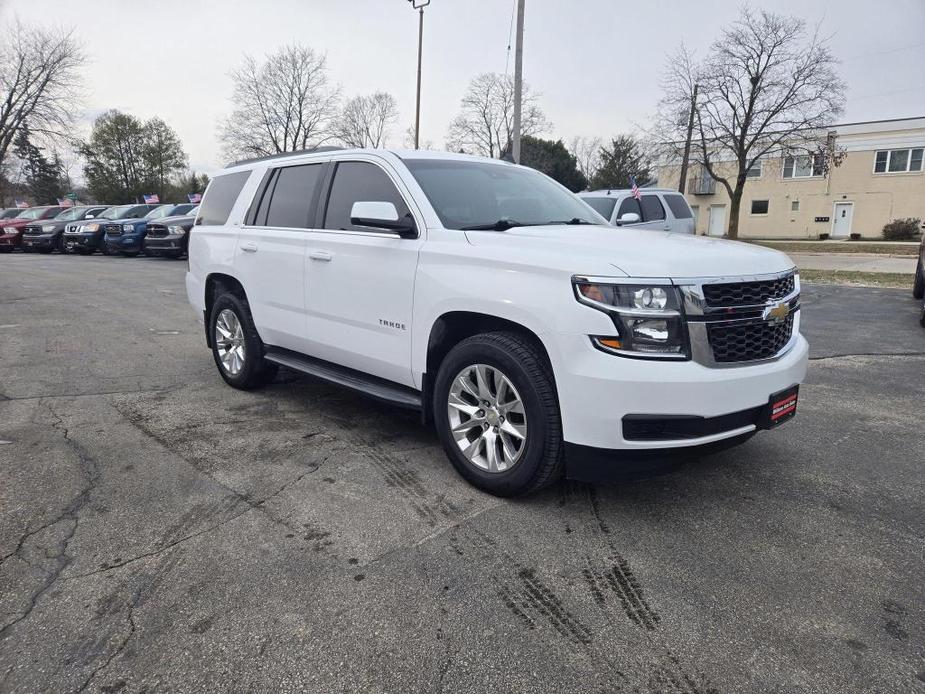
<point x="158" y="212"/>
<point x="34" y="213"/>
<point x="117" y="212"/>
<point x="474" y="194"/>
<point x="9" y="213"/>
<point x="603" y="206"/>
<point x="71" y="214"/>
<point x="193" y="212"/>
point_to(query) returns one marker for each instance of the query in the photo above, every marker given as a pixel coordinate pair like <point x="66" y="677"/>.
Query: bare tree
<point x="365" y="120"/>
<point x="408" y="140"/>
<point x="587" y="152"/>
<point x="485" y="122"/>
<point x="282" y="104"/>
<point x="39" y="83"/>
<point x="766" y="86"/>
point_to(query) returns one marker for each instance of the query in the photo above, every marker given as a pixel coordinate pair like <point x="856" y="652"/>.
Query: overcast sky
<point x="595" y="62"/>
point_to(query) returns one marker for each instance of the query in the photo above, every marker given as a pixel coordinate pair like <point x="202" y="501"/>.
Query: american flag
<point x="65" y="202"/>
<point x="21" y="203"/>
<point x="151" y="199"/>
<point x="195" y="197"/>
<point x="635" y="188"/>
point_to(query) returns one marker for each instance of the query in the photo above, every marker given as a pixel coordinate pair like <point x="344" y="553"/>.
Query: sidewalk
<point x="858" y="262"/>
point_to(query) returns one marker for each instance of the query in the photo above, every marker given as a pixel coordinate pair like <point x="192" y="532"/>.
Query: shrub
<point x="902" y="229"/>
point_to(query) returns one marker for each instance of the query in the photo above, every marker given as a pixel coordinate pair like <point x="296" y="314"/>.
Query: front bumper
<point x="597" y="391"/>
<point x="38" y="241"/>
<point x="74" y="241"/>
<point x="171" y="242"/>
<point x="125" y="243"/>
<point x="9" y="241"/>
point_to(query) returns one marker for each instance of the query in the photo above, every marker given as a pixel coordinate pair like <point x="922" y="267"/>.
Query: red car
<point x="11" y="229"/>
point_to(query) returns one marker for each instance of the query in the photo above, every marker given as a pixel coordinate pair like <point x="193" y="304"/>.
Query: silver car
<point x="657" y="209"/>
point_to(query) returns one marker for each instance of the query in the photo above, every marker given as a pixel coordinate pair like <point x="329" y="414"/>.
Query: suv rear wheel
<point x="236" y="346"/>
<point x="497" y="414"/>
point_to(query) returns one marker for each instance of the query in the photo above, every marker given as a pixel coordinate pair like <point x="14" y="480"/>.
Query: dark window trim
<point x="645" y="217"/>
<point x="329" y="183"/>
<point x="268" y="187"/>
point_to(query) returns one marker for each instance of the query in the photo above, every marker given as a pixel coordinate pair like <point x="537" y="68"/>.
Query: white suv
<point x="535" y="338"/>
<point x="658" y="209"/>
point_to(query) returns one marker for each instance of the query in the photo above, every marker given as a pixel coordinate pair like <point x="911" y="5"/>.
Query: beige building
<point x="881" y="178"/>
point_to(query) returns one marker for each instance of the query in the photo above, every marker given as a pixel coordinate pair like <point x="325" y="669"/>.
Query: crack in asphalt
<point x="869" y="354"/>
<point x="71" y="512"/>
<point x="251" y="506"/>
<point x="133" y="603"/>
<point x="241" y="496"/>
<point x="140" y="391"/>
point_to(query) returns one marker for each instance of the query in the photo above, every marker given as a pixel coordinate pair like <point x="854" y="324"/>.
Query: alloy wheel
<point x="487" y="418"/>
<point x="229" y="341"/>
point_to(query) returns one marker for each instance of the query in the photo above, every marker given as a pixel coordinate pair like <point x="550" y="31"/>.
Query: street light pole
<point x="518" y="81"/>
<point x="419" y="5"/>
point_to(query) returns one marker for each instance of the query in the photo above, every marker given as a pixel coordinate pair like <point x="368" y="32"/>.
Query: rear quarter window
<point x="220" y="197"/>
<point x="679" y="207"/>
<point x="603" y="206"/>
<point x="652" y="209"/>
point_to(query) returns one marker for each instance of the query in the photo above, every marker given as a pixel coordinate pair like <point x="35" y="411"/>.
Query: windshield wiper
<point x="571" y="222"/>
<point x="500" y="225"/>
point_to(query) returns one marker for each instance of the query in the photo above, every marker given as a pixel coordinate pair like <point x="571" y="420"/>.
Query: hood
<point x="633" y="252"/>
<point x="178" y="220"/>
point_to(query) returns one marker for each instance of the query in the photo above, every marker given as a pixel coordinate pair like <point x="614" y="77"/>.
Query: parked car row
<point x="159" y="230"/>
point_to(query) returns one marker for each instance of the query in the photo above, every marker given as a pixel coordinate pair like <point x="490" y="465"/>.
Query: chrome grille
<point x="749" y="341"/>
<point x="113" y="229"/>
<point x="32" y="230"/>
<point x="736" y="294"/>
<point x="157" y="230"/>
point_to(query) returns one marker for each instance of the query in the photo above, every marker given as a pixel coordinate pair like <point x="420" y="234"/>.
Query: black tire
<point x="542" y="461"/>
<point x="103" y="249"/>
<point x="130" y="254"/>
<point x="918" y="284"/>
<point x="173" y="255"/>
<point x="59" y="245"/>
<point x="256" y="371"/>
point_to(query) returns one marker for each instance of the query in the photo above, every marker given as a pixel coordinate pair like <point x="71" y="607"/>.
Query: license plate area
<point x="781" y="407"/>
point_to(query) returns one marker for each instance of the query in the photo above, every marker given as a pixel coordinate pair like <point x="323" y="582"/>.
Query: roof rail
<point x="312" y="150"/>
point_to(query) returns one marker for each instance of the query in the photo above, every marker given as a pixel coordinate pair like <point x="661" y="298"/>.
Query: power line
<point x="886" y="52"/>
<point x="510" y="34"/>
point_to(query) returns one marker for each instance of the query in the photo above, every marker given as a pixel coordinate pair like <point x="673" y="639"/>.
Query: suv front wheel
<point x="497" y="414"/>
<point x="236" y="346"/>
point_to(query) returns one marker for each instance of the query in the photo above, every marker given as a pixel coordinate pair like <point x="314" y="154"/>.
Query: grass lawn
<point x="840" y="247"/>
<point x="899" y="280"/>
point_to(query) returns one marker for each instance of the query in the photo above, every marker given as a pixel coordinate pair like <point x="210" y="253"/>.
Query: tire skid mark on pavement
<point x="522" y="591"/>
<point x="615" y="576"/>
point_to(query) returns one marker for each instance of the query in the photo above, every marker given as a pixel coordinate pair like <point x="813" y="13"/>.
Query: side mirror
<point x="629" y="218"/>
<point x="382" y="215"/>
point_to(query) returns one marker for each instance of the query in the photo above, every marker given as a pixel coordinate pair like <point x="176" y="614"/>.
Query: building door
<point x="717" y="222"/>
<point x="841" y="225"/>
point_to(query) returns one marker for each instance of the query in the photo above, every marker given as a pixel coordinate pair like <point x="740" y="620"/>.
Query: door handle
<point x="323" y="256"/>
<point x="249" y="247"/>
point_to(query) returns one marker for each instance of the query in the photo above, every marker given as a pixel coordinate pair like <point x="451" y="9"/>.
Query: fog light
<point x="654" y="330"/>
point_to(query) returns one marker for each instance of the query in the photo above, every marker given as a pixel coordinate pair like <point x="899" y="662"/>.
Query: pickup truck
<point x="48" y="235"/>
<point x="128" y="236"/>
<point x="89" y="236"/>
<point x="539" y="340"/>
<point x="11" y="229"/>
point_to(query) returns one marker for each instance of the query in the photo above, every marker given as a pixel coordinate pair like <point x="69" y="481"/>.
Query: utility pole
<point x="518" y="80"/>
<point x="419" y="5"/>
<point x="687" y="143"/>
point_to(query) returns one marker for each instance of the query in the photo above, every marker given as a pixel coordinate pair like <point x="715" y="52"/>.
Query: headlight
<point x="128" y="227"/>
<point x="647" y="317"/>
<point x="88" y="227"/>
<point x="48" y="228"/>
<point x="176" y="230"/>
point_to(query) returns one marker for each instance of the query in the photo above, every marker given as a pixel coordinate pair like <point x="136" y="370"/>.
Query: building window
<point x="794" y="205"/>
<point x="803" y="166"/>
<point x="754" y="170"/>
<point x="759" y="206"/>
<point x="898" y="160"/>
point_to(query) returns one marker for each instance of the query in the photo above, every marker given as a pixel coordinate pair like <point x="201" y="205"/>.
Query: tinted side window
<point x="220" y="198"/>
<point x="652" y="208"/>
<point x="293" y="192"/>
<point x="678" y="206"/>
<point x="629" y="205"/>
<point x="356" y="181"/>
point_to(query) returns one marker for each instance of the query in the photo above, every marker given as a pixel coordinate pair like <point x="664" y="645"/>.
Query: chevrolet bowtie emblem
<point x="776" y="314"/>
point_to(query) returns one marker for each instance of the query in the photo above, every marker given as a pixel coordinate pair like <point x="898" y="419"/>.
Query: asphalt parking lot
<point x="160" y="531"/>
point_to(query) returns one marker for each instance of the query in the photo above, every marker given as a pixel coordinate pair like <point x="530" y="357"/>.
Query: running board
<point x="374" y="387"/>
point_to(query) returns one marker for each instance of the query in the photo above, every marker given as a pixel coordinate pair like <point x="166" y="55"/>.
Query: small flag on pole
<point x="152" y="199"/>
<point x="20" y="203"/>
<point x="65" y="202"/>
<point x="635" y="188"/>
<point x="195" y="197"/>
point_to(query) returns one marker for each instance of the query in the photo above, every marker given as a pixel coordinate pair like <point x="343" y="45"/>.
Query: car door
<point x="361" y="280"/>
<point x="270" y="258"/>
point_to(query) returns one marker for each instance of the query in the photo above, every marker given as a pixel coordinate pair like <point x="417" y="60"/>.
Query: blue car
<point x="127" y="235"/>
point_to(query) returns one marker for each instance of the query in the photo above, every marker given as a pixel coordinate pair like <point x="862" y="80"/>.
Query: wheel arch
<point x="216" y="284"/>
<point x="452" y="327"/>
